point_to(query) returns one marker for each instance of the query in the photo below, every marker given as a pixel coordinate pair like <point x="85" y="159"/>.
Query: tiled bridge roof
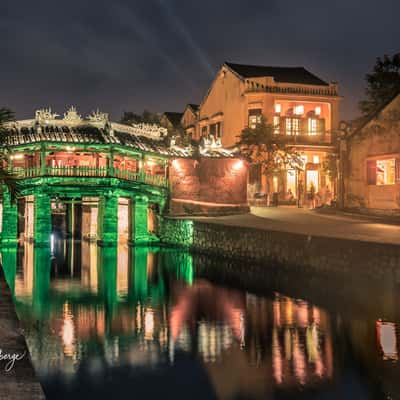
<point x="86" y="135"/>
<point x="96" y="129"/>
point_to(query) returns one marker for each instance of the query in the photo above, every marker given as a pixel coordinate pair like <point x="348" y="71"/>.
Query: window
<point x="312" y="126"/>
<point x="204" y="131"/>
<point x="381" y="172"/>
<point x="315" y="159"/>
<point x="215" y="129"/>
<point x="318" y="110"/>
<point x="277" y="127"/>
<point x="292" y="126"/>
<point x="278" y="108"/>
<point x="254" y="118"/>
<point x="299" y="110"/>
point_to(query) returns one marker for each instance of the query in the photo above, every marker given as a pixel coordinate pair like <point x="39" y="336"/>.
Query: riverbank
<point x="20" y="382"/>
<point x="302" y="239"/>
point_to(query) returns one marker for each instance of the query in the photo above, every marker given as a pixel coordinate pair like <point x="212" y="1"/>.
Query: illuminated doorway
<point x="312" y="178"/>
<point x="291" y="181"/>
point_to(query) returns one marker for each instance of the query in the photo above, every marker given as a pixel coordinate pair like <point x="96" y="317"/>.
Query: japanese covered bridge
<point x="93" y="178"/>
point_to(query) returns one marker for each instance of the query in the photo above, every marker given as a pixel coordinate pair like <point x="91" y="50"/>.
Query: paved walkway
<point x="295" y="220"/>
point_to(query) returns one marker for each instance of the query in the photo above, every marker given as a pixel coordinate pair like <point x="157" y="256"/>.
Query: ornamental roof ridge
<point x="151" y="131"/>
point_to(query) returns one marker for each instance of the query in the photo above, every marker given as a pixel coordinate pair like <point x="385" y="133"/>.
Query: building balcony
<point x="330" y="91"/>
<point x="307" y="138"/>
<point x="90" y="172"/>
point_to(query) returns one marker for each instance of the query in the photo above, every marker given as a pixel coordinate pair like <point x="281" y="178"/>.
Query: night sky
<point x="160" y="55"/>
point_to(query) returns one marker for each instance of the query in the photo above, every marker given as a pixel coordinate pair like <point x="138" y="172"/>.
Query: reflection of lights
<point x="386" y="332"/>
<point x="276" y="357"/>
<point x="298" y="359"/>
<point x="70" y="148"/>
<point x="52" y="242"/>
<point x="148" y="324"/>
<point x="68" y="331"/>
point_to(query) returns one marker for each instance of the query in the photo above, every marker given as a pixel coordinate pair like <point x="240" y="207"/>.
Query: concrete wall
<point x="309" y="253"/>
<point x="220" y="182"/>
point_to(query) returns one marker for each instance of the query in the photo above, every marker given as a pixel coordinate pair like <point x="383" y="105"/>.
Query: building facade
<point x="298" y="104"/>
<point x="371" y="164"/>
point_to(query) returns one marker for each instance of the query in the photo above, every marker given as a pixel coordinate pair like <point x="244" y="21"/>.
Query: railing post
<point x="42" y="161"/>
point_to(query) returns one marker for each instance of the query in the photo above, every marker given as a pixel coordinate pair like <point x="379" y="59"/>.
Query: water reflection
<point x="89" y="311"/>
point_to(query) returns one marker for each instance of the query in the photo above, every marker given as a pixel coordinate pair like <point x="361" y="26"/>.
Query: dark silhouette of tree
<point x="146" y="116"/>
<point x="383" y="83"/>
<point x="6" y="115"/>
<point x="6" y="178"/>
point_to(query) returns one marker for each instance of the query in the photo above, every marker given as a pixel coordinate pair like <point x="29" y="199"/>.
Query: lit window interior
<point x="299" y="110"/>
<point x="385" y="172"/>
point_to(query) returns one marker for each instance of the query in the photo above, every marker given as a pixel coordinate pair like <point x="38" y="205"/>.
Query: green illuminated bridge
<point x="84" y="177"/>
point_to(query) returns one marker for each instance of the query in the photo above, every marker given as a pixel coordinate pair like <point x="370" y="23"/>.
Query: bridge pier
<point x="9" y="234"/>
<point x="108" y="221"/>
<point x="42" y="219"/>
<point x="139" y="221"/>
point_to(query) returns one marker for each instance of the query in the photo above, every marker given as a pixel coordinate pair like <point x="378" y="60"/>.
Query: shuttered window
<point x="371" y="172"/>
<point x="397" y="170"/>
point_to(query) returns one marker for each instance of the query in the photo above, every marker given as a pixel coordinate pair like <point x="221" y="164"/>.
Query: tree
<point x="260" y="145"/>
<point x="330" y="166"/>
<point x="146" y="116"/>
<point x="6" y="115"/>
<point x="382" y="84"/>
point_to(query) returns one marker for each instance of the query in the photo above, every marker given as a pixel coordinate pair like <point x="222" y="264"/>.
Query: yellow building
<point x="295" y="101"/>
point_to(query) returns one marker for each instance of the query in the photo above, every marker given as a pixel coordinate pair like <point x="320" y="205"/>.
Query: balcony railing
<point x="304" y="137"/>
<point x="91" y="172"/>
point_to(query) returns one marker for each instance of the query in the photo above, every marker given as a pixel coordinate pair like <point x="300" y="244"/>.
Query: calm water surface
<point x="147" y="323"/>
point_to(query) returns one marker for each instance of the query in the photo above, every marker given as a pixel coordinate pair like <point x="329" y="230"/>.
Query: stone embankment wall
<point x="20" y="382"/>
<point x="324" y="254"/>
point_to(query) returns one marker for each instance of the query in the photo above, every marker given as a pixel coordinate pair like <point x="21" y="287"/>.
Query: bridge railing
<point x="95" y="172"/>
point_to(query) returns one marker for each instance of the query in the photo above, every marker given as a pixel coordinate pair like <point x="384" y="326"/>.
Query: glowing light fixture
<point x="18" y="156"/>
<point x="238" y="165"/>
<point x="70" y="148"/>
<point x="278" y="108"/>
<point x="299" y="110"/>
<point x="175" y="164"/>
